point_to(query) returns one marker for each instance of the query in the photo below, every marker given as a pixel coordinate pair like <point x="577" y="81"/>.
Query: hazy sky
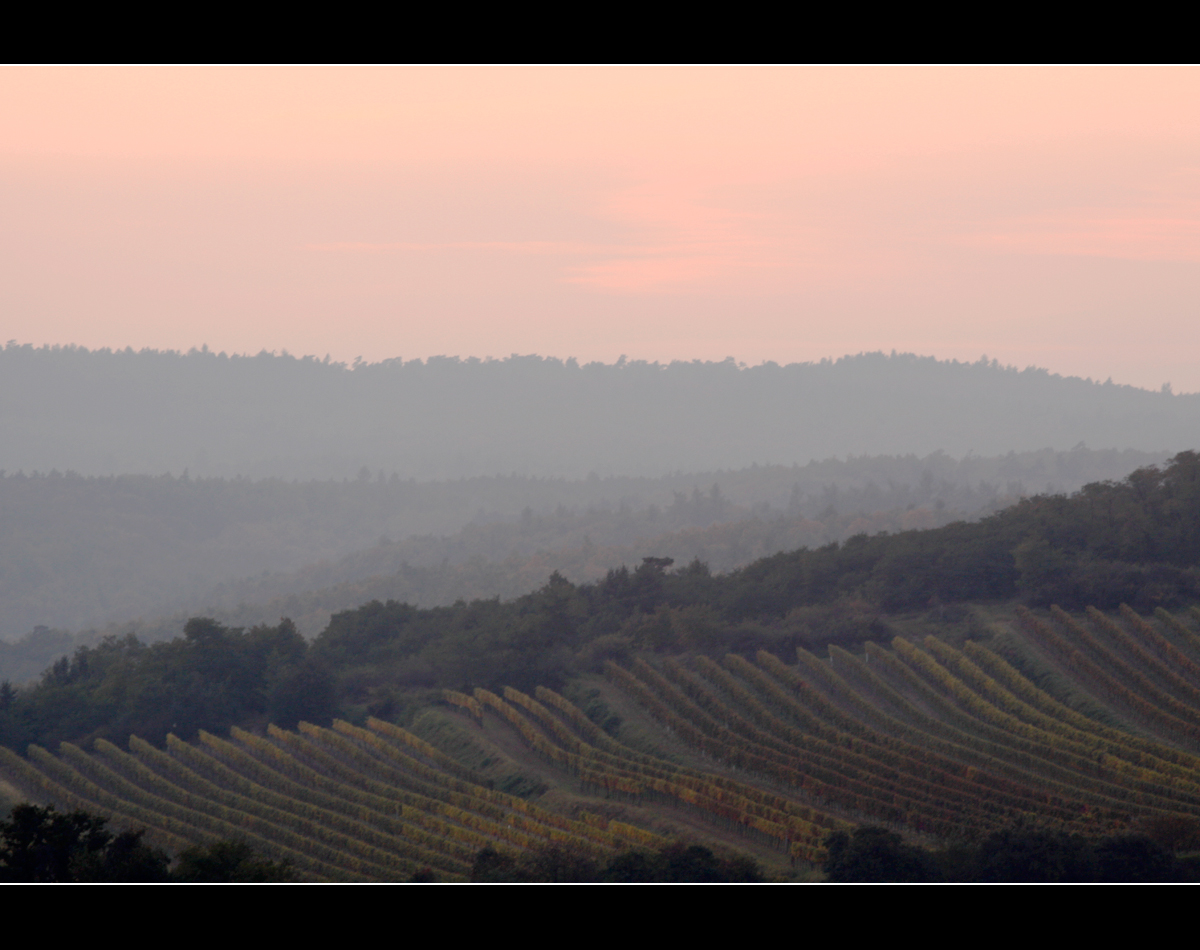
<point x="1045" y="216"/>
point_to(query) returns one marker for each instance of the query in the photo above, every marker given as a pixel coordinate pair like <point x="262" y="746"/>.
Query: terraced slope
<point x="1086" y="723"/>
<point x="955" y="741"/>
<point x="339" y="804"/>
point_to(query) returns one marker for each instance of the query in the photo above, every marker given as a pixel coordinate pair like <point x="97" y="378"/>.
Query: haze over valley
<point x="86" y="552"/>
<point x="599" y="474"/>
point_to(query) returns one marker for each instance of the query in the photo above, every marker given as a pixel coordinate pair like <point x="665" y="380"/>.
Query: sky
<point x="1039" y="216"/>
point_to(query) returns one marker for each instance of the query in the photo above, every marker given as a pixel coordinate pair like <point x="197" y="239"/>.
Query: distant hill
<point x="106" y="413"/>
<point x="79" y="552"/>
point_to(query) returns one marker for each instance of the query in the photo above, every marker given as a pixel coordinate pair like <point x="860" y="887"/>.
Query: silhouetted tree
<point x="40" y="844"/>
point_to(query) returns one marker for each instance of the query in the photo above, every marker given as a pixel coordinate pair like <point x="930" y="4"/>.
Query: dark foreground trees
<point x="228" y="862"/>
<point x="1012" y="856"/>
<point x="876" y="855"/>
<point x="677" y="864"/>
<point x="44" y="846"/>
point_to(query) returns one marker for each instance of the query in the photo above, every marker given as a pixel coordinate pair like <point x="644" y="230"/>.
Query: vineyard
<point x="954" y="742"/>
<point x="1087" y="723"/>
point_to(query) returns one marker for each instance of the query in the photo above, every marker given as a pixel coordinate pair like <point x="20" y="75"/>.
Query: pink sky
<point x="1043" y="216"/>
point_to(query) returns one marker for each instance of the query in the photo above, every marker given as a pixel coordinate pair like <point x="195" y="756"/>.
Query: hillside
<point x="949" y="743"/>
<point x="106" y="413"/>
<point x="80" y="554"/>
<point x="926" y="680"/>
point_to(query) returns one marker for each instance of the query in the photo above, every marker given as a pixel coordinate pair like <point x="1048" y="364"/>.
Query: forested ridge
<point x="141" y="554"/>
<point x="1134" y="542"/>
<point x="104" y="412"/>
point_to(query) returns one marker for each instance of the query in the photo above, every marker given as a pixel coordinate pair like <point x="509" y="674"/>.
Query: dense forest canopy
<point x="105" y="412"/>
